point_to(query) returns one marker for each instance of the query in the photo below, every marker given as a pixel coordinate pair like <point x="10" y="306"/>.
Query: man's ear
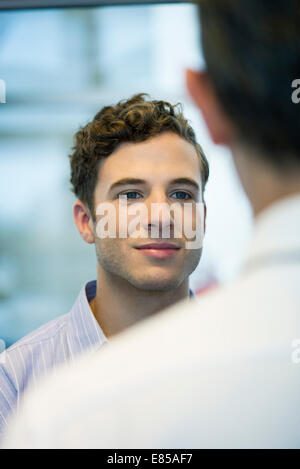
<point x="83" y="221"/>
<point x="202" y="93"/>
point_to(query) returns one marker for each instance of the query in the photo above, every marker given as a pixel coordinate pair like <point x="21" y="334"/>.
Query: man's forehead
<point x="134" y="177"/>
<point x="152" y="167"/>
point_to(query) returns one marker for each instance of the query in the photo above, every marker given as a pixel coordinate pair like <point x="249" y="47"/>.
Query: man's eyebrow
<point x="187" y="181"/>
<point x="126" y="181"/>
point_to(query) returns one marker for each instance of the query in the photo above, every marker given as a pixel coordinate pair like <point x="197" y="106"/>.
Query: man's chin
<point x="156" y="284"/>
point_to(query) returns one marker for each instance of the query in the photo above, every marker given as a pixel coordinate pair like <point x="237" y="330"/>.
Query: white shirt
<point x="222" y="372"/>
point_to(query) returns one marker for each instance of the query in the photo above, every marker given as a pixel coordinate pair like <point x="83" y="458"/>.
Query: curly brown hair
<point x="133" y="120"/>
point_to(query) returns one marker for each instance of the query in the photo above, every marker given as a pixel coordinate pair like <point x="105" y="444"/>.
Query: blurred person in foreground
<point x="132" y="155"/>
<point x="225" y="373"/>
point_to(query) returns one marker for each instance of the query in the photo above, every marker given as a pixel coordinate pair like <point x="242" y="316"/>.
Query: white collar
<point x="276" y="231"/>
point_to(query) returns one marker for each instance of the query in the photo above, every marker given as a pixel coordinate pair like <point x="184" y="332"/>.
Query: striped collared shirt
<point x="56" y="342"/>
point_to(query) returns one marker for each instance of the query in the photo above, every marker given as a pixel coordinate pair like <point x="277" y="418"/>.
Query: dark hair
<point x="134" y="120"/>
<point x="252" y="53"/>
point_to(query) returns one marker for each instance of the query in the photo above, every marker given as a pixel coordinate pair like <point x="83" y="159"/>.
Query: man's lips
<point x="159" y="250"/>
<point x="158" y="246"/>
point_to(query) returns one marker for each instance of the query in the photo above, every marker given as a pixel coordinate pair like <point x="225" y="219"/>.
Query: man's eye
<point x="181" y="195"/>
<point x="132" y="195"/>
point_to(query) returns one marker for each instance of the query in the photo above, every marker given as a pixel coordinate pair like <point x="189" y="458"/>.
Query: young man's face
<point x="155" y="165"/>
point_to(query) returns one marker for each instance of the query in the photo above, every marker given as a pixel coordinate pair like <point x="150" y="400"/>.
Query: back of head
<point x="252" y="53"/>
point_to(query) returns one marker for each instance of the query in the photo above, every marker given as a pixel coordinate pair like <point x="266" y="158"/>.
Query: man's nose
<point x="158" y="221"/>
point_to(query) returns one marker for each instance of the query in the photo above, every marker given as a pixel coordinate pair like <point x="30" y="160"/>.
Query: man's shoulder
<point x="28" y="358"/>
<point x="33" y="353"/>
<point x="253" y="313"/>
<point x="40" y="345"/>
<point x="42" y="334"/>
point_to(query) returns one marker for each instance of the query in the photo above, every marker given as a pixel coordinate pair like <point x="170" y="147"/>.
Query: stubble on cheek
<point x="110" y="255"/>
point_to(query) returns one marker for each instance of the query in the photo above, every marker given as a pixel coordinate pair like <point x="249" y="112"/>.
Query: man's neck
<point x="260" y="204"/>
<point x="118" y="304"/>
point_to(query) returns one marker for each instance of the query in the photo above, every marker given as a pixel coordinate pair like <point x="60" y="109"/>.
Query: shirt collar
<point x="84" y="331"/>
<point x="276" y="231"/>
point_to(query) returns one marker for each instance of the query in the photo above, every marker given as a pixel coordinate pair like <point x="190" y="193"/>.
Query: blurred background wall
<point x="60" y="67"/>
